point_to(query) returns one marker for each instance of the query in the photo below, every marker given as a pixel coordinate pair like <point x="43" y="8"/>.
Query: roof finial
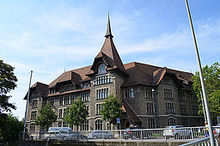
<point x="108" y="31"/>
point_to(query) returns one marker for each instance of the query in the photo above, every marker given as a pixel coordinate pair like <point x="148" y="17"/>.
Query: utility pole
<point x="201" y="79"/>
<point x="25" y="117"/>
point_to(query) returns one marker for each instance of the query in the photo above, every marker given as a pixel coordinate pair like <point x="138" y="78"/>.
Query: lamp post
<point x="201" y="78"/>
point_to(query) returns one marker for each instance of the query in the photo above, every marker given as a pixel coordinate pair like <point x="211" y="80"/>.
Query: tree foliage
<point x="47" y="117"/>
<point x="212" y="83"/>
<point x="111" y="109"/>
<point x="76" y="113"/>
<point x="10" y="127"/>
<point x="7" y="83"/>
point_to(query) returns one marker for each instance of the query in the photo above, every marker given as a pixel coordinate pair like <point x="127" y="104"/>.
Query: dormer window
<point x="101" y="69"/>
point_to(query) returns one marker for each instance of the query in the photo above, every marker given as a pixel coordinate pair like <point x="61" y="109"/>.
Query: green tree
<point x="76" y="113"/>
<point x="47" y="117"/>
<point x="212" y="83"/>
<point x="10" y="127"/>
<point x="111" y="109"/>
<point x="7" y="83"/>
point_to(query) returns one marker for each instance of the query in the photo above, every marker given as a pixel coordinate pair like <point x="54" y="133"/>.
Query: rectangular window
<point x="61" y="101"/>
<point x="182" y="96"/>
<point x="85" y="125"/>
<point x="85" y="97"/>
<point x="60" y="114"/>
<point x="148" y="93"/>
<point x="169" y="108"/>
<point x="168" y="93"/>
<point x="33" y="115"/>
<point x="98" y="125"/>
<point x="98" y="108"/>
<point x="102" y="80"/>
<point x="150" y="108"/>
<point x="66" y="100"/>
<point x="129" y="93"/>
<point x="102" y="93"/>
<point x="35" y="103"/>
<point x="151" y="122"/>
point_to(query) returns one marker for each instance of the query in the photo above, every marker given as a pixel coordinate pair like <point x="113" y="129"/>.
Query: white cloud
<point x="181" y="38"/>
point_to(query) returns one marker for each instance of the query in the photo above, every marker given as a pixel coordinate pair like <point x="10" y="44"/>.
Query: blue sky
<point x="50" y="35"/>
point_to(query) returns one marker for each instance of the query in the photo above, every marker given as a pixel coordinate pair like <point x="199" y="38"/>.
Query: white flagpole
<point x="201" y="79"/>
<point x="25" y="117"/>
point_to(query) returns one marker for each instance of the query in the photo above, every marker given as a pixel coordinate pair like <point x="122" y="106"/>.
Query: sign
<point x="118" y="120"/>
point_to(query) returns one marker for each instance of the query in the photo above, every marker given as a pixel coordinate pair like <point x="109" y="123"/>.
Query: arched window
<point x="171" y="121"/>
<point x="101" y="69"/>
<point x="98" y="125"/>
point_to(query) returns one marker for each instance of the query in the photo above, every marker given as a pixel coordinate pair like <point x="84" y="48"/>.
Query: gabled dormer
<point x="108" y="57"/>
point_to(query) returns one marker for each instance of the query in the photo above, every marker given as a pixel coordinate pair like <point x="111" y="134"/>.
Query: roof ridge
<point x="160" y="67"/>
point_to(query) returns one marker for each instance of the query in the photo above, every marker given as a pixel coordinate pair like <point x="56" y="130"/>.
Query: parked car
<point x="60" y="133"/>
<point x="100" y="135"/>
<point x="136" y="133"/>
<point x="176" y="131"/>
<point x="78" y="136"/>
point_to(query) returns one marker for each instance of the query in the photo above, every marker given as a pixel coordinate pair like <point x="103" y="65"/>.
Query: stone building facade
<point x="151" y="96"/>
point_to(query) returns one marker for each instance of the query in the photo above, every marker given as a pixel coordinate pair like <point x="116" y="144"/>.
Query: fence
<point x="203" y="141"/>
<point x="190" y="133"/>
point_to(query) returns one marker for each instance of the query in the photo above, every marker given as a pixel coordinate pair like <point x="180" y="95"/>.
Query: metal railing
<point x="163" y="134"/>
<point x="203" y="141"/>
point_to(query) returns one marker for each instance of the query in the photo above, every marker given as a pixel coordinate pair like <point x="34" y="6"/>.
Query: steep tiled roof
<point x="41" y="89"/>
<point x="108" y="54"/>
<point x="146" y="74"/>
<point x="139" y="73"/>
<point x="76" y="76"/>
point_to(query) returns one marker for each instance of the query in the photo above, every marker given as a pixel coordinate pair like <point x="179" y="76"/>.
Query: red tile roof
<point x="139" y="73"/>
<point x="76" y="75"/>
<point x="110" y="57"/>
<point x="146" y="74"/>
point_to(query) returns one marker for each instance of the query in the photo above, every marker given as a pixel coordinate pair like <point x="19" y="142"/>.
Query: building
<point x="151" y="96"/>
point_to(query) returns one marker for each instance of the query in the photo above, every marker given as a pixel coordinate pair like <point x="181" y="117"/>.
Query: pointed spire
<point x="108" y="30"/>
